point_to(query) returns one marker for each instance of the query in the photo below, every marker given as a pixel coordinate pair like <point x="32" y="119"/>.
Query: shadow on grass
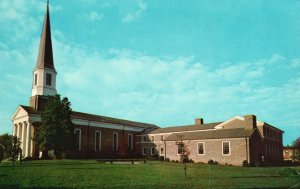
<point x="7" y="186"/>
<point x="260" y="176"/>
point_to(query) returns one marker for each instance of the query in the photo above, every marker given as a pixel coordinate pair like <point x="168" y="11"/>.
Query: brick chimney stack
<point x="199" y="121"/>
<point x="250" y="121"/>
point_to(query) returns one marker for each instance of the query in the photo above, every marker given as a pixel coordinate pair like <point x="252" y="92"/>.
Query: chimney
<point x="199" y="121"/>
<point x="250" y="121"/>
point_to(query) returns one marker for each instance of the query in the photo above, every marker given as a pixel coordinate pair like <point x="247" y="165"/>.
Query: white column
<point x="23" y="140"/>
<point x="31" y="143"/>
<point x="15" y="130"/>
<point x="19" y="135"/>
<point x="28" y="140"/>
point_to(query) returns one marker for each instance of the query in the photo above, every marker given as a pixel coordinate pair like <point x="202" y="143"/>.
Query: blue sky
<point x="163" y="62"/>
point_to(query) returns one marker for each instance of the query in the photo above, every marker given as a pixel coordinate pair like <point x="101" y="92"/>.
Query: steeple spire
<point x="44" y="73"/>
<point x="45" y="56"/>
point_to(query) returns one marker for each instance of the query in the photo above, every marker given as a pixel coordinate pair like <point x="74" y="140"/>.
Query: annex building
<point x="232" y="141"/>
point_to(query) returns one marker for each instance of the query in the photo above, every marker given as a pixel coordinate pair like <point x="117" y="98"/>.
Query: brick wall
<point x="212" y="150"/>
<point x="88" y="143"/>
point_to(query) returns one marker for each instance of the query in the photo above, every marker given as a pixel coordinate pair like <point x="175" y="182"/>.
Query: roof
<point x="31" y="110"/>
<point x="211" y="134"/>
<point x="185" y="128"/>
<point x="93" y="117"/>
<point x="45" y="56"/>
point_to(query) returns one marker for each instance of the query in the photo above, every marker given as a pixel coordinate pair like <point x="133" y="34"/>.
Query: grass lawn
<point x="90" y="174"/>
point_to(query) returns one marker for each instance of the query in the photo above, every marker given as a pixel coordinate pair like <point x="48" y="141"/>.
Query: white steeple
<point x="44" y="73"/>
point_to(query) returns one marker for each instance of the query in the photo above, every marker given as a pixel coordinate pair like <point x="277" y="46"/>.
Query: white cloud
<point x="295" y="62"/>
<point x="173" y="91"/>
<point x="94" y="16"/>
<point x="132" y="16"/>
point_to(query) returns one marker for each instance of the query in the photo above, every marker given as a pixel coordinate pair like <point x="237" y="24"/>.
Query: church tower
<point x="44" y="73"/>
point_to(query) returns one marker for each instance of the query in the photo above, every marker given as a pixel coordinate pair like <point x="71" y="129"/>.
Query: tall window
<point x="98" y="141"/>
<point x="161" y="151"/>
<point x="48" y="79"/>
<point x="144" y="151"/>
<point x="144" y="138"/>
<point x="152" y="150"/>
<point x="226" y="148"/>
<point x="35" y="79"/>
<point x="161" y="137"/>
<point x="115" y="141"/>
<point x="78" y="139"/>
<point x="152" y="138"/>
<point x="201" y="148"/>
<point x="179" y="149"/>
<point x="130" y="142"/>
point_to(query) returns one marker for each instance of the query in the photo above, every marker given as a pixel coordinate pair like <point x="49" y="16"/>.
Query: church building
<point x="233" y="141"/>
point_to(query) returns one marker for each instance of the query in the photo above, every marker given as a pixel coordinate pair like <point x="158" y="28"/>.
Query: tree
<point x="6" y="142"/>
<point x="184" y="153"/>
<point x="15" y="150"/>
<point x="56" y="130"/>
<point x="296" y="150"/>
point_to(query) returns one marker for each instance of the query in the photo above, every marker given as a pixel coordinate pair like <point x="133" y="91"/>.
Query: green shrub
<point x="288" y="172"/>
<point x="245" y="163"/>
<point x="210" y="162"/>
<point x="161" y="158"/>
<point x="167" y="160"/>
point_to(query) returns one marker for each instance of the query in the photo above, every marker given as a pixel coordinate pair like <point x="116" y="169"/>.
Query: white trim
<point x="144" y="151"/>
<point x="203" y="148"/>
<point x="223" y="148"/>
<point x="79" y="145"/>
<point x="177" y="150"/>
<point x="113" y="143"/>
<point x="221" y="125"/>
<point x="131" y="142"/>
<point x="98" y="141"/>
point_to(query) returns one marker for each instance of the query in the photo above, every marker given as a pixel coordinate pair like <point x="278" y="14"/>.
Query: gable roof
<point x="211" y="134"/>
<point x="30" y="110"/>
<point x="185" y="128"/>
<point x="98" y="118"/>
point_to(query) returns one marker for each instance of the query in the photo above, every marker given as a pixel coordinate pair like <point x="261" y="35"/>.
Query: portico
<point x="23" y="129"/>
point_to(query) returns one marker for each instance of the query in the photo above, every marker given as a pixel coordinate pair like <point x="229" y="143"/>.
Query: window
<point x="77" y="139"/>
<point x="226" y="148"/>
<point x="130" y="143"/>
<point x="179" y="149"/>
<point x="201" y="148"/>
<point x="144" y="151"/>
<point x="162" y="151"/>
<point x="152" y="150"/>
<point x="161" y="137"/>
<point x="115" y="141"/>
<point x="98" y="141"/>
<point x="35" y="79"/>
<point x="48" y="79"/>
<point x="144" y="138"/>
<point x="152" y="138"/>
